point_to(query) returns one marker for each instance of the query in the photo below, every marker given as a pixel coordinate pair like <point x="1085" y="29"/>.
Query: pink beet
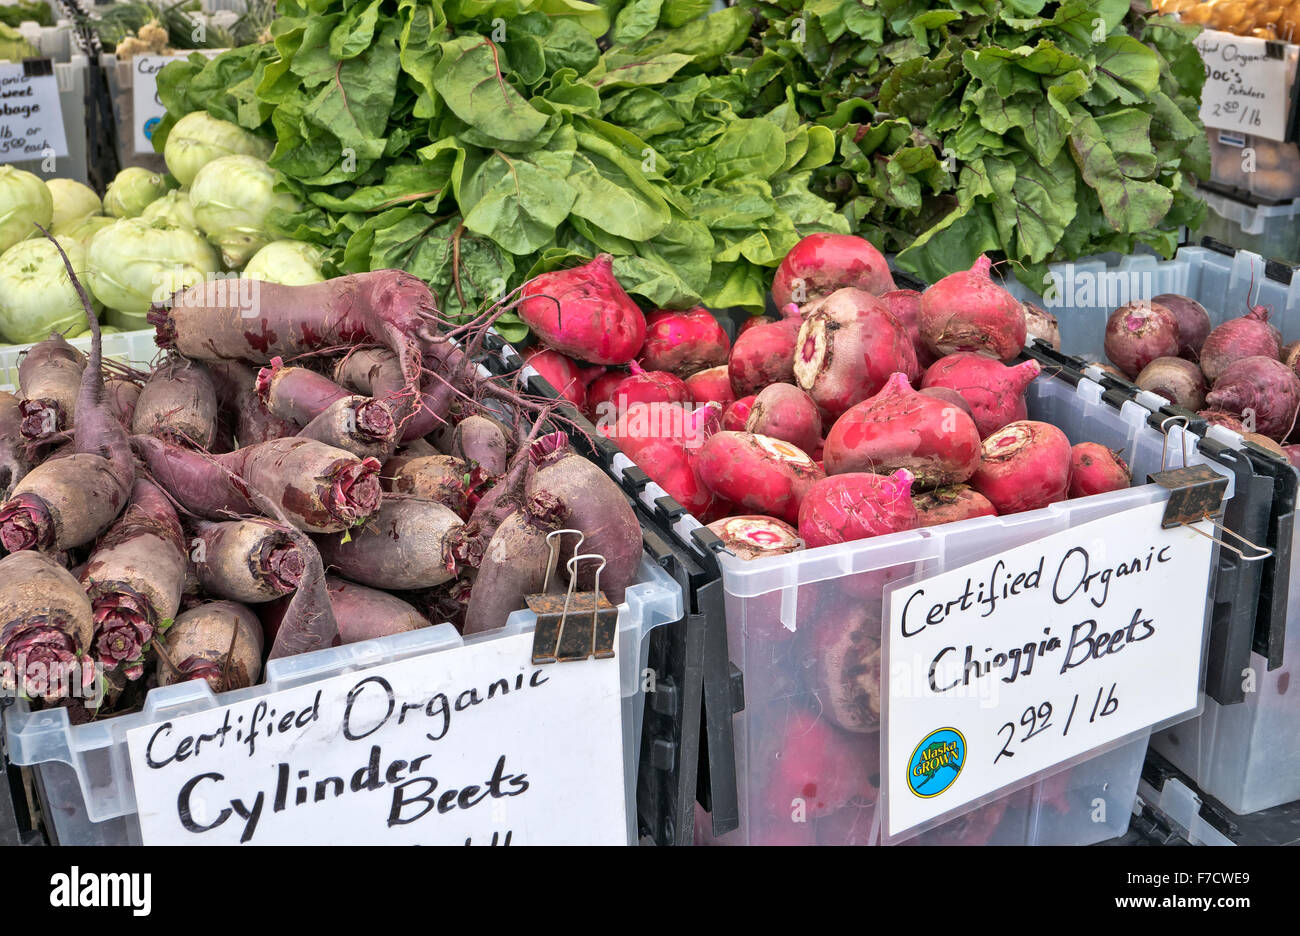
<point x="1095" y="469"/>
<point x="712" y="385"/>
<point x="808" y="766"/>
<point x="585" y="313"/>
<point x="856" y="506"/>
<point x="1041" y="324"/>
<point x="949" y="396"/>
<point x="753" y="536"/>
<point x="783" y="411"/>
<point x="1026" y="465"/>
<point x="845" y="648"/>
<point x="848" y="346"/>
<point x="822" y="263"/>
<point x="1263" y="391"/>
<point x="1138" y="333"/>
<point x="906" y="306"/>
<point x="967" y="311"/>
<point x="645" y="386"/>
<point x="757" y="472"/>
<point x="736" y="415"/>
<point x="753" y="322"/>
<point x="564" y="374"/>
<point x="951" y="504"/>
<point x="900" y="428"/>
<point x="1193" y="323"/>
<point x="601" y="392"/>
<point x="1248" y="336"/>
<point x="995" y="392"/>
<point x="764" y="354"/>
<point x="683" y="342"/>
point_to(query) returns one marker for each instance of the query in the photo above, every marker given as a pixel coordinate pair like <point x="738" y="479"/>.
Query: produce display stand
<point x="753" y="590"/>
<point x="71" y="70"/>
<point x="1243" y="750"/>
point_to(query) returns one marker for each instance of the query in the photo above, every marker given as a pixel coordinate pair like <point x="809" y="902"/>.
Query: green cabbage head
<point x="25" y="201"/>
<point x="36" y="295"/>
<point x="198" y="138"/>
<point x="292" y="263"/>
<point x="132" y="264"/>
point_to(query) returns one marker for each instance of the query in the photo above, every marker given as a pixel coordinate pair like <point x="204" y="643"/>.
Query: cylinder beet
<point x="1025" y="466"/>
<point x="355" y="424"/>
<point x="967" y="311"/>
<point x="49" y="380"/>
<point x="514" y="565"/>
<point x="49" y="510"/>
<point x="995" y="392"/>
<point x="179" y="402"/>
<point x="13" y="447"/>
<point x="900" y="428"/>
<point x="246" y="560"/>
<point x="406" y="544"/>
<point x="199" y="646"/>
<point x="365" y="613"/>
<point x="848" y="346"/>
<point x="321" y="488"/>
<point x="45" y="621"/>
<point x="757" y="472"/>
<point x="441" y="478"/>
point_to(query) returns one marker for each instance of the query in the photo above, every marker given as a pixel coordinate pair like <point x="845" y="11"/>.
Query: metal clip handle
<point x="1264" y="551"/>
<point x="572" y="566"/>
<point x="554" y="558"/>
<point x="1164" y="430"/>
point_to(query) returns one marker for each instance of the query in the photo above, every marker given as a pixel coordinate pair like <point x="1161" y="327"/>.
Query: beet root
<point x="584" y="313"/>
<point x="13" y="447"/>
<point x="1026" y="465"/>
<point x="900" y="428"/>
<point x="1176" y="379"/>
<point x="753" y="536"/>
<point x="684" y="342"/>
<point x="49" y="381"/>
<point x="846" y="648"/>
<point x="441" y="478"/>
<point x="856" y="506"/>
<point x="822" y="263"/>
<point x="1041" y="324"/>
<point x="1138" y="333"/>
<point x="757" y="472"/>
<point x="1193" y="323"/>
<point x="406" y="544"/>
<point x="764" y="354"/>
<point x="251" y="561"/>
<point x="514" y="565"/>
<point x="46" y="625"/>
<point x="849" y="345"/>
<point x="736" y="416"/>
<point x="1095" y="469"/>
<point x="785" y="412"/>
<point x="951" y="504"/>
<point x="711" y="386"/>
<point x="967" y="311"/>
<point x="1251" y="335"/>
<point x="995" y="392"/>
<point x="481" y="441"/>
<point x="1263" y="391"/>
<point x="356" y="424"/>
<point x="178" y="402"/>
<point x="49" y="508"/>
<point x="365" y="613"/>
<point x="807" y="762"/>
<point x="199" y="646"/>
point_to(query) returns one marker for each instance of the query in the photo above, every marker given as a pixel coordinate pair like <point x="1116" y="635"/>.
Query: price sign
<point x="31" y="120"/>
<point x="1007" y="667"/>
<point x="146" y="107"/>
<point x="1248" y="84"/>
<point x="473" y="745"/>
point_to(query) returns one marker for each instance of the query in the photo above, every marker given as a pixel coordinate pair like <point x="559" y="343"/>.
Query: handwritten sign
<point x="146" y="107"/>
<point x="1248" y="84"/>
<point x="31" y="120"/>
<point x="473" y="745"/>
<point x="1004" y="668"/>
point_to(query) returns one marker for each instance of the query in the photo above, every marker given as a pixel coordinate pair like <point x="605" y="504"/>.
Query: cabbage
<point x="199" y="138"/>
<point x="292" y="263"/>
<point x="233" y="197"/>
<point x="72" y="202"/>
<point x="172" y="210"/>
<point x="132" y="264"/>
<point x="24" y="202"/>
<point x="36" y="295"/>
<point x="134" y="190"/>
<point x="83" y="229"/>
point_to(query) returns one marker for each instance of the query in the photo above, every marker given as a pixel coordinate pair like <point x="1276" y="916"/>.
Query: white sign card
<point x="31" y="119"/>
<point x="474" y="745"/>
<point x="1006" y="667"/>
<point x="146" y="107"/>
<point x="1246" y="84"/>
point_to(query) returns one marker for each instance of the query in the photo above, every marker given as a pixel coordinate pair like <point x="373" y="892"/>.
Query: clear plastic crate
<point x="1055" y="808"/>
<point x="136" y="348"/>
<point x="1247" y="754"/>
<point x="85" y="769"/>
<point x="1269" y="230"/>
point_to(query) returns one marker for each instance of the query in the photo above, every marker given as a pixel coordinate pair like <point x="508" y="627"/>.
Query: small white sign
<point x="31" y="120"/>
<point x="474" y="745"/>
<point x="1247" y="88"/>
<point x="1004" y="668"/>
<point x="146" y="107"/>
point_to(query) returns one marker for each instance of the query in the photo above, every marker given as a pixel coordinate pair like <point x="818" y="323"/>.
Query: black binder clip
<point x="574" y="625"/>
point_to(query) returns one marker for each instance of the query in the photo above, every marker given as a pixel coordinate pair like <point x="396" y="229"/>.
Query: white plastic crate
<point x="1269" y="230"/>
<point x="58" y="44"/>
<point x="1058" y="807"/>
<point x="1247" y="754"/>
<point x="85" y="769"/>
<point x="136" y="348"/>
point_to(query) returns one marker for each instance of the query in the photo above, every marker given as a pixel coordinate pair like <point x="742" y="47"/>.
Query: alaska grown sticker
<point x="936" y="763"/>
